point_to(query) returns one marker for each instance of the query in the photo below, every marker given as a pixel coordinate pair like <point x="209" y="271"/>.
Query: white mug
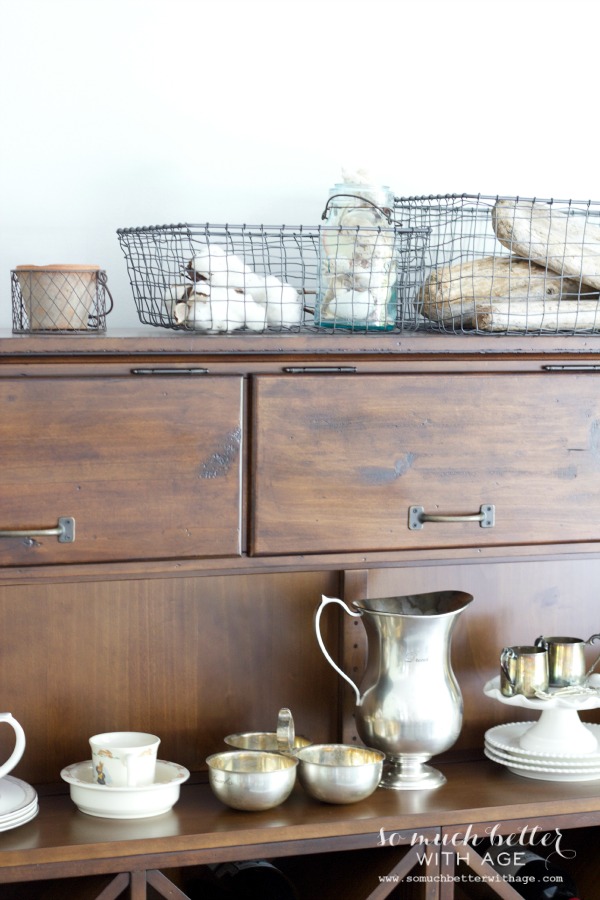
<point x="19" y="749"/>
<point x="124" y="758"/>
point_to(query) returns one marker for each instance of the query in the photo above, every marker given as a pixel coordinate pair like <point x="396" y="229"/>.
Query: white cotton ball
<point x="212" y="316"/>
<point x="284" y="308"/>
<point x="357" y="176"/>
<point x="373" y="280"/>
<point x="229" y="272"/>
<point x="281" y="301"/>
<point x="255" y="316"/>
<point x="261" y="286"/>
<point x="352" y="306"/>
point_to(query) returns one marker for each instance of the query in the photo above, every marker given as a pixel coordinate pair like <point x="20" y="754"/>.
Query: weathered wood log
<point x="568" y="244"/>
<point x="547" y="315"/>
<point x="467" y="290"/>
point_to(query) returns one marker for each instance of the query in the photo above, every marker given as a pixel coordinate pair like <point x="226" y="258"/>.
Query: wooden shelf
<point x="63" y="841"/>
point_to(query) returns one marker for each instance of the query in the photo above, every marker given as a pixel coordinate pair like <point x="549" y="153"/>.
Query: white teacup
<point x="19" y="748"/>
<point x="124" y="758"/>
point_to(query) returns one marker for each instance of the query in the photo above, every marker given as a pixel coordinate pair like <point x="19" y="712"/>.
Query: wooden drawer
<point x="339" y="459"/>
<point x="147" y="467"/>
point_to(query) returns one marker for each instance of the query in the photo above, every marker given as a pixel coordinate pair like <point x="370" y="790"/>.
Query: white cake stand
<point x="559" y="730"/>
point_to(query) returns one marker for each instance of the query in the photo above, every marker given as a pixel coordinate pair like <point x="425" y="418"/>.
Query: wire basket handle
<point x="384" y="210"/>
<point x="94" y="321"/>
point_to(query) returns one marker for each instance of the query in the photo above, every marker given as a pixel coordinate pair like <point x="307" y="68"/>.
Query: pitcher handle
<point x="541" y="642"/>
<point x="325" y="601"/>
<point x="17" y="753"/>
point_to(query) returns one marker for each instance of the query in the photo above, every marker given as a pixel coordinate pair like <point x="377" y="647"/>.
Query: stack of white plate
<point x="503" y="747"/>
<point x="18" y="803"/>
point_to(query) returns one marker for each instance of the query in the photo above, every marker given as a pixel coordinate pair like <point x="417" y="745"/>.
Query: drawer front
<point x="340" y="459"/>
<point x="147" y="467"/>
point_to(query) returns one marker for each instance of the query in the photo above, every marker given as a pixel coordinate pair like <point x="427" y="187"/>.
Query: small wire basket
<point x="59" y="299"/>
<point x="256" y="278"/>
<point x="507" y="264"/>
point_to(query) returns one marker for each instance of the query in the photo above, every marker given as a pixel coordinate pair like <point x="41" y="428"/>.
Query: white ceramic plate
<point x="506" y="739"/>
<point x="20" y="818"/>
<point x="542" y="772"/>
<point x="125" y="802"/>
<point x="557" y="766"/>
<point x="16" y="797"/>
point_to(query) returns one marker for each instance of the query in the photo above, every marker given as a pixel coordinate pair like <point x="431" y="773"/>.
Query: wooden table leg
<point x="164" y="886"/>
<point x="115" y="888"/>
<point x="137" y="886"/>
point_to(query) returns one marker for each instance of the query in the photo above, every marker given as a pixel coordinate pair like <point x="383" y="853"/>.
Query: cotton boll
<point x="284" y="307"/>
<point x="173" y="295"/>
<point x="180" y="313"/>
<point x="227" y="271"/>
<point x="351" y="306"/>
<point x="261" y="285"/>
<point x="212" y="316"/>
<point x="255" y="316"/>
<point x="357" y="176"/>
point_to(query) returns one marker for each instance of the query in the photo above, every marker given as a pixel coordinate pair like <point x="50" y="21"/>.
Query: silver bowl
<point x="262" y="740"/>
<point x="339" y="773"/>
<point x="251" y="780"/>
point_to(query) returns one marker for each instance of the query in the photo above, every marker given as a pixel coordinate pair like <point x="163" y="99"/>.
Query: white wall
<point x="142" y="112"/>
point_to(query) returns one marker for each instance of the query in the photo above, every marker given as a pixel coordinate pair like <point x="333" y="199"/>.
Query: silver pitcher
<point x="411" y="705"/>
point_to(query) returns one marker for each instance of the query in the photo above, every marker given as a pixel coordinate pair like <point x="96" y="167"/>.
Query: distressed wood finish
<point x="338" y="461"/>
<point x="148" y="467"/>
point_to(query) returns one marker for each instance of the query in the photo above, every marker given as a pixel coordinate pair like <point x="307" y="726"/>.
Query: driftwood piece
<point x="547" y="315"/>
<point x="566" y="244"/>
<point x="466" y="291"/>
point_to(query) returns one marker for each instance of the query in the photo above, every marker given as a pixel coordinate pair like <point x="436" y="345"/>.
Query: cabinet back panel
<point x="188" y="659"/>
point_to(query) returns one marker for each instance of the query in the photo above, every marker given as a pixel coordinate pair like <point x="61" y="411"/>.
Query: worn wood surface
<point x="148" y="468"/>
<point x="341" y="473"/>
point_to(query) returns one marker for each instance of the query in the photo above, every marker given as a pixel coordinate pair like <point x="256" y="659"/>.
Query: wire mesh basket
<point x="256" y="278"/>
<point x="59" y="299"/>
<point x="506" y="264"/>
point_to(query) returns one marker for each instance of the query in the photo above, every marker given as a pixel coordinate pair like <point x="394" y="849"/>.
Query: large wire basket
<point x="507" y="264"/>
<point x="257" y="278"/>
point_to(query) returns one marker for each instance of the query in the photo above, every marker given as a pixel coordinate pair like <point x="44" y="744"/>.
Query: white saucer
<point x="125" y="802"/>
<point x="541" y="765"/>
<point x="18" y="802"/>
<point x="505" y="738"/>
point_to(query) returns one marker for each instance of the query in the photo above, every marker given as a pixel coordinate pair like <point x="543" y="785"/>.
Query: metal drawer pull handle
<point x="417" y="517"/>
<point x="65" y="531"/>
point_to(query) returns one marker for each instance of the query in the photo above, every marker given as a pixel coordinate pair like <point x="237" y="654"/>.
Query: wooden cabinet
<point x="341" y="460"/>
<point x="148" y="468"/>
<point x="211" y="512"/>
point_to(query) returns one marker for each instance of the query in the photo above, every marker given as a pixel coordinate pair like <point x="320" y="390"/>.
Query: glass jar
<point x="358" y="260"/>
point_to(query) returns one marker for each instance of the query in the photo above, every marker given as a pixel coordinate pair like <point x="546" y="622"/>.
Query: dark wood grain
<point x="340" y="473"/>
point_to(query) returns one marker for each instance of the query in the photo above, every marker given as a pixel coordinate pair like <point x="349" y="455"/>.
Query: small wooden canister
<point x="58" y="297"/>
